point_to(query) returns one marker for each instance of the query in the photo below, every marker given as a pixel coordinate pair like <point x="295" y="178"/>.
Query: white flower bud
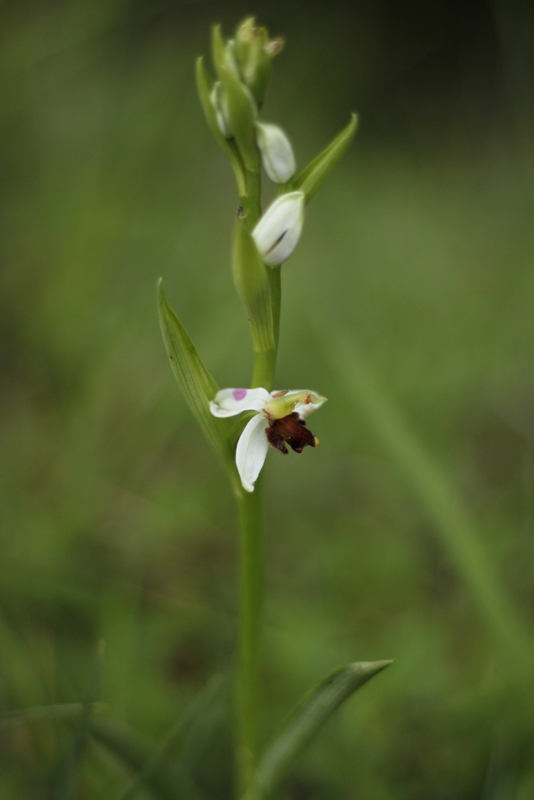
<point x="278" y="231"/>
<point x="276" y="152"/>
<point x="220" y="104"/>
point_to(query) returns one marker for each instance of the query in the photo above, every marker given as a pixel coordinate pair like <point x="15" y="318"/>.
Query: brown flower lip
<point x="291" y="430"/>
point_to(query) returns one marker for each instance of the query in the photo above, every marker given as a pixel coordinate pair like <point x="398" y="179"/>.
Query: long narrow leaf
<point x="305" y="720"/>
<point x="312" y="176"/>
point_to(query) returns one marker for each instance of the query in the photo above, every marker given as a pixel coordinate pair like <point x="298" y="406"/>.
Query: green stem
<point x="251" y="560"/>
<point x="263" y="373"/>
<point x="250" y="612"/>
<point x="275" y="281"/>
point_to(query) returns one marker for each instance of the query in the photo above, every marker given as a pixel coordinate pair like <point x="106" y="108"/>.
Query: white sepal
<point x="278" y="231"/>
<point x="276" y="152"/>
<point x="229" y="402"/>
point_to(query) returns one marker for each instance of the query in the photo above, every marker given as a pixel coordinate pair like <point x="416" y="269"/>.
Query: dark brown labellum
<point x="291" y="430"/>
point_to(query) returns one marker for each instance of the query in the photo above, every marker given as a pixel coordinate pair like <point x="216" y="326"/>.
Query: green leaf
<point x="312" y="176"/>
<point x="195" y="381"/>
<point x="251" y="280"/>
<point x="305" y="720"/>
<point x="228" y="146"/>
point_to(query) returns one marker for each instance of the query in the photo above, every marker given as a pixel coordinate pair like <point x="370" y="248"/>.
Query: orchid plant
<point x="263" y="241"/>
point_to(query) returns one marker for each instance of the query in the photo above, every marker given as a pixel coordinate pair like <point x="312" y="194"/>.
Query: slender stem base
<point x="250" y="611"/>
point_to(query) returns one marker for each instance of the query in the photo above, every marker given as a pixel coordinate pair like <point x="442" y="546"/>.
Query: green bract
<point x="312" y="176"/>
<point x="252" y="283"/>
<point x="196" y="383"/>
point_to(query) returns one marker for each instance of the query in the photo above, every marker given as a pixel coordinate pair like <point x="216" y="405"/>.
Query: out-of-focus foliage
<point x="416" y="260"/>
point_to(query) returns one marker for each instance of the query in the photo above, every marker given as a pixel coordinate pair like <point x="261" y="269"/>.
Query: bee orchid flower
<point x="279" y="421"/>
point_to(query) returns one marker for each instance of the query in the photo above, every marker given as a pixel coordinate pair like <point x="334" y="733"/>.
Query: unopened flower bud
<point x="254" y="60"/>
<point x="220" y="104"/>
<point x="274" y="46"/>
<point x="278" y="231"/>
<point x="276" y="152"/>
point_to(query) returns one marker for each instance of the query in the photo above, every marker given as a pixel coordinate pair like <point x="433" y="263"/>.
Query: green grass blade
<point x="306" y="719"/>
<point x="66" y="711"/>
<point x="133" y="753"/>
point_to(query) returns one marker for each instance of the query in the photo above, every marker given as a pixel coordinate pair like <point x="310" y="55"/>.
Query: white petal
<point x="278" y="231"/>
<point x="229" y="402"/>
<point x="251" y="451"/>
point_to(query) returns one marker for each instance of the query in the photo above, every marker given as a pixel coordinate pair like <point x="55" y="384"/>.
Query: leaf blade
<point x="308" y="716"/>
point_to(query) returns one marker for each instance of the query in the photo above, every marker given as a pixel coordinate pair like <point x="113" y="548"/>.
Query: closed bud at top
<point x="276" y="152"/>
<point x="275" y="46"/>
<point x="254" y="54"/>
<point x="220" y="104"/>
<point x="278" y="231"/>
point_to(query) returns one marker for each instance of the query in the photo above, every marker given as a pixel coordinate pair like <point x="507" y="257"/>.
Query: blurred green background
<point x="409" y="533"/>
